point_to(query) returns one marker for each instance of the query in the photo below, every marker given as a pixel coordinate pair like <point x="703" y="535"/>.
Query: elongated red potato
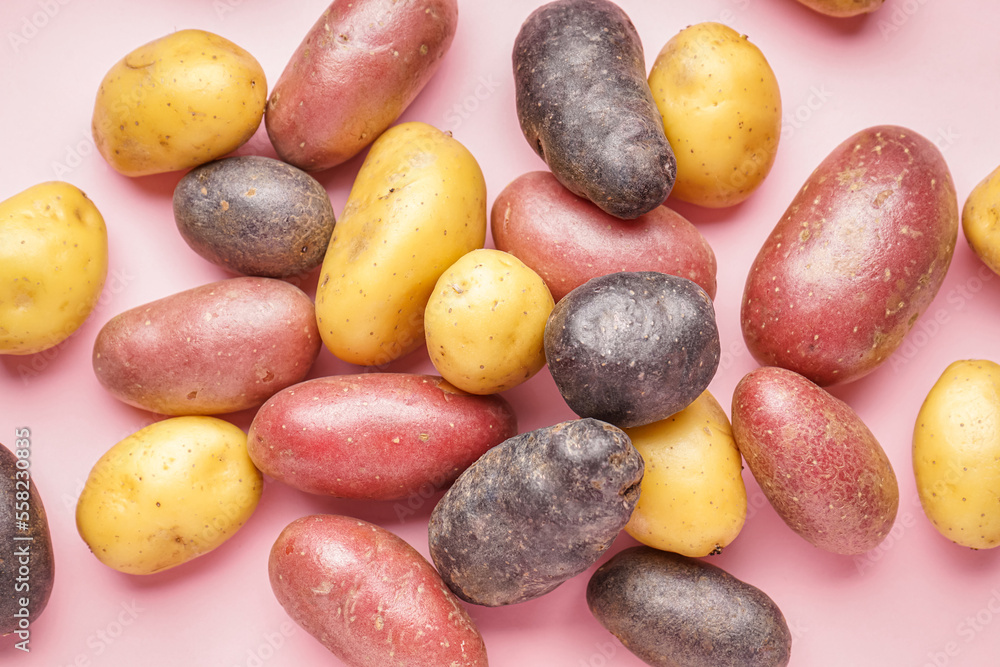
<point x="375" y="436"/>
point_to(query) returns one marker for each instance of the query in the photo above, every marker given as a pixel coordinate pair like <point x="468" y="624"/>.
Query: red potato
<point x="820" y="467"/>
<point x="855" y="260"/>
<point x="355" y="72"/>
<point x="376" y="436"/>
<point x="369" y="597"/>
<point x="567" y="240"/>
<point x="218" y="348"/>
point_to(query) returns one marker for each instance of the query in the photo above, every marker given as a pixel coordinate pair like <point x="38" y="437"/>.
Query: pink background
<point x="930" y="65"/>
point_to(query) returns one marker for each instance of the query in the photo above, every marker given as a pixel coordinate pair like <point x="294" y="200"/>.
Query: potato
<point x="255" y="216"/>
<point x="179" y="101"/>
<point x="534" y="511"/>
<point x="673" y="611"/>
<point x="417" y="205"/>
<point x="53" y="262"/>
<point x="956" y="454"/>
<point x="843" y="8"/>
<point x="819" y="466"/>
<point x="375" y="436"/>
<point x="168" y="493"/>
<point x="485" y="322"/>
<point x="586" y="109"/>
<point x="981" y="220"/>
<point x="221" y="347"/>
<point x="567" y="240"/>
<point x="855" y="260"/>
<point x="693" y="501"/>
<point x="372" y="57"/>
<point x="369" y="597"/>
<point x="632" y="348"/>
<point x="721" y="111"/>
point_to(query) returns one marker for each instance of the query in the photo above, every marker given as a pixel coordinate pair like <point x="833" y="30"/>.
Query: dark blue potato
<point x="255" y="216"/>
<point x="675" y="611"/>
<point x="586" y="108"/>
<point x="632" y="348"/>
<point x="535" y="510"/>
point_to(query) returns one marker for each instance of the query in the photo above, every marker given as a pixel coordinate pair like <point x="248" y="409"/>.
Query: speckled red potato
<point x="855" y="260"/>
<point x="820" y="467"/>
<point x="376" y="436"/>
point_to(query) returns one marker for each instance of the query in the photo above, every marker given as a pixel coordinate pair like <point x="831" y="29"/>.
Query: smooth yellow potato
<point x="177" y="102"/>
<point x="981" y="220"/>
<point x="417" y="205"/>
<point x="485" y="322"/>
<point x="168" y="493"/>
<point x="956" y="454"/>
<point x="721" y="110"/>
<point x="692" y="500"/>
<point x="53" y="262"/>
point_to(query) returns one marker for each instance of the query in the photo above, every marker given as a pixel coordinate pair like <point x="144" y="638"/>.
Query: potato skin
<point x="843" y="8"/>
<point x="855" y="260"/>
<point x="981" y="218"/>
<point x="674" y="611"/>
<point x="956" y="453"/>
<point x="819" y="466"/>
<point x="586" y="109"/>
<point x="568" y="240"/>
<point x="255" y="216"/>
<point x="373" y="57"/>
<point x="377" y="436"/>
<point x="53" y="263"/>
<point x="369" y="597"/>
<point x="222" y="347"/>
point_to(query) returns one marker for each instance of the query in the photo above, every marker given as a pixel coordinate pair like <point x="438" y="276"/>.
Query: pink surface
<point x="916" y="600"/>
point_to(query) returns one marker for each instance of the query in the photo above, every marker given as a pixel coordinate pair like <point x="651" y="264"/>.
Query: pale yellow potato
<point x="417" y="205"/>
<point x="981" y="220"/>
<point x="692" y="500"/>
<point x="956" y="454"/>
<point x="53" y="262"/>
<point x="843" y="8"/>
<point x="485" y="322"/>
<point x="179" y="101"/>
<point x="721" y="111"/>
<point x="167" y="494"/>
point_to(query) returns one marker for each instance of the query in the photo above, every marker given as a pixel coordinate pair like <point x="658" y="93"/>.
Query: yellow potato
<point x="692" y="500"/>
<point x="981" y="220"/>
<point x="417" y="205"/>
<point x="53" y="262"/>
<point x="177" y="102"/>
<point x="168" y="493"/>
<point x="721" y="110"/>
<point x="956" y="454"/>
<point x="485" y="322"/>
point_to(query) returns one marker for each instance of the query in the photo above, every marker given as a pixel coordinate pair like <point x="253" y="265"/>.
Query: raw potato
<point x="981" y="220"/>
<point x="179" y="101"/>
<point x="485" y="322"/>
<point x="167" y="494"/>
<point x="693" y="500"/>
<point x="355" y="72"/>
<point x="53" y="262"/>
<point x="721" y="111"/>
<point x="956" y="454"/>
<point x="842" y="8"/>
<point x="673" y="611"/>
<point x="417" y="205"/>
<point x="369" y="597"/>
<point x="857" y="257"/>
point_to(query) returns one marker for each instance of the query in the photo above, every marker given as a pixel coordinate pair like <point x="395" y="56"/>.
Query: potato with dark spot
<point x="675" y="611"/>
<point x="255" y="216"/>
<point x="534" y="511"/>
<point x="632" y="348"/>
<point x="585" y="107"/>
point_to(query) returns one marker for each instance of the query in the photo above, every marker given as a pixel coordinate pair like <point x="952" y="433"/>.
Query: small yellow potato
<point x="721" y="110"/>
<point x="177" y="102"/>
<point x="956" y="454"/>
<point x="53" y="262"/>
<point x="692" y="500"/>
<point x="981" y="220"/>
<point x="167" y="494"/>
<point x="485" y="322"/>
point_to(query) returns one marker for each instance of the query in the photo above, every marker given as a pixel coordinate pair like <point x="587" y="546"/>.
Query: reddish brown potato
<point x="818" y="464"/>
<point x="567" y="240"/>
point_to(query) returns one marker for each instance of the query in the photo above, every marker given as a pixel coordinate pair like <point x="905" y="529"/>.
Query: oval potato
<point x="843" y="8"/>
<point x="981" y="220"/>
